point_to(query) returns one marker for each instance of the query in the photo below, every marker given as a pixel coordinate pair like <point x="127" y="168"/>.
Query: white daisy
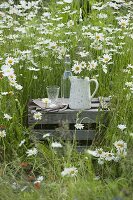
<point x="79" y="126"/>
<point x="7" y="70"/>
<point x="2" y="133"/>
<point x="31" y="152"/>
<point x="9" y="61"/>
<point x="77" y="68"/>
<point x="56" y="145"/>
<point x="120" y="145"/>
<point x="122" y="127"/>
<point x="71" y="171"/>
<point x="92" y="65"/>
<point x="8" y="117"/>
<point x="37" y="116"/>
<point x="106" y="58"/>
<point x="123" y="23"/>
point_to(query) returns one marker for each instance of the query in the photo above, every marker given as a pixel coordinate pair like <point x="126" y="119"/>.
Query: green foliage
<point x="38" y="38"/>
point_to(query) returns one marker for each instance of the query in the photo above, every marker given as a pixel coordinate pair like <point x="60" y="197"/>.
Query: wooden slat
<point x="67" y="135"/>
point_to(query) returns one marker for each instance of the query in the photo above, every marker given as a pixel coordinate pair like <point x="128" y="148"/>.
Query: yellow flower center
<point x="77" y="68"/>
<point x="10" y="61"/>
<point x="98" y="37"/>
<point x="106" y="59"/>
<point x="120" y="145"/>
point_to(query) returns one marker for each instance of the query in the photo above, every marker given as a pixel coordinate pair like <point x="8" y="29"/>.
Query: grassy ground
<point x="38" y="36"/>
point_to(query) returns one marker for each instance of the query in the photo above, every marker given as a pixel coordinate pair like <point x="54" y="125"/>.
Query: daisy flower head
<point x="92" y="65"/>
<point x="31" y="152"/>
<point x="9" y="61"/>
<point x="106" y="58"/>
<point x="56" y="145"/>
<point x="7" y="70"/>
<point x="70" y="172"/>
<point x="120" y="145"/>
<point x="79" y="126"/>
<point x="2" y="133"/>
<point x="123" y="23"/>
<point x="77" y="68"/>
<point x="99" y="36"/>
<point x="109" y="156"/>
<point x="37" y="116"/>
<point x="70" y="23"/>
<point x="83" y="65"/>
<point x="7" y="117"/>
<point x="122" y="127"/>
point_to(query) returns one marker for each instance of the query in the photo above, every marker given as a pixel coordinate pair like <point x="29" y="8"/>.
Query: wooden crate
<point x="60" y="124"/>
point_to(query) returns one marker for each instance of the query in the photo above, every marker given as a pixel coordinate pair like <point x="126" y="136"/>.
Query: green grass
<point x="116" y="179"/>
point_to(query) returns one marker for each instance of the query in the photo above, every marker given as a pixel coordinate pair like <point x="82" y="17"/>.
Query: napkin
<point x="50" y="108"/>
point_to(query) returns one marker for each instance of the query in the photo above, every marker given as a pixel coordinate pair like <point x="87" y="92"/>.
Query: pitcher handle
<point x="97" y="85"/>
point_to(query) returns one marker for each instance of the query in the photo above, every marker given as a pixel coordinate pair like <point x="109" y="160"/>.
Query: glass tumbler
<point x="53" y="93"/>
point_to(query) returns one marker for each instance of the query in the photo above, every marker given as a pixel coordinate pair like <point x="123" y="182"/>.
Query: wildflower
<point x="35" y="77"/>
<point x="100" y="161"/>
<point x="102" y="16"/>
<point x="56" y="145"/>
<point x="8" y="117"/>
<point x="31" y="152"/>
<point x="46" y="135"/>
<point x="122" y="127"/>
<point x="40" y="178"/>
<point x="99" y="36"/>
<point x="68" y="1"/>
<point x="99" y="153"/>
<point x="92" y="64"/>
<point x="46" y="101"/>
<point x="9" y="61"/>
<point x="79" y="126"/>
<point x="96" y="178"/>
<point x="18" y="87"/>
<point x="71" y="171"/>
<point x="109" y="156"/>
<point x="121" y="147"/>
<point x="93" y="153"/>
<point x="37" y="116"/>
<point x="70" y="23"/>
<point x="4" y="93"/>
<point x="7" y="70"/>
<point x="106" y="58"/>
<point x="77" y="68"/>
<point x="123" y="23"/>
<point x="21" y="143"/>
<point x="104" y="67"/>
<point x="2" y="133"/>
<point x="83" y="65"/>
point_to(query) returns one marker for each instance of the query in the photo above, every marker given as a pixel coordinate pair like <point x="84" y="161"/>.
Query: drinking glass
<point x="53" y="93"/>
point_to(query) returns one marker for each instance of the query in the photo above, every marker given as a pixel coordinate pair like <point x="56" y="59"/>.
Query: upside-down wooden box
<point x="60" y="124"/>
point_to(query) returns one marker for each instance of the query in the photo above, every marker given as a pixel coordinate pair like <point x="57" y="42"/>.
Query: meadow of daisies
<point x="35" y="36"/>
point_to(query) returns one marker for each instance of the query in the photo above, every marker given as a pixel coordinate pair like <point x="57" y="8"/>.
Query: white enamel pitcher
<point x="80" y="95"/>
